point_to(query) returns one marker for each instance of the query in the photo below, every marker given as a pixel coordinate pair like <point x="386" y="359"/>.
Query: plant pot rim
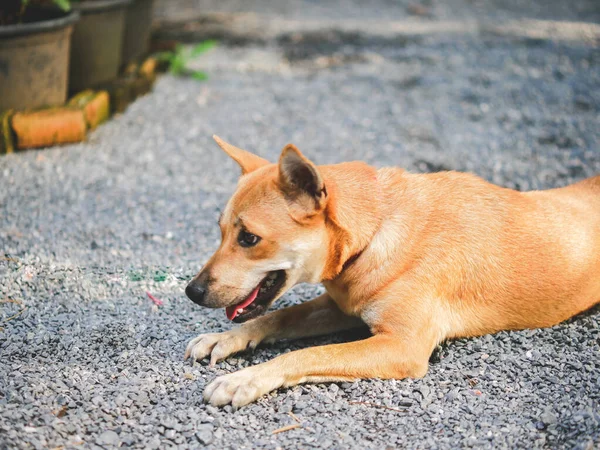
<point x="97" y="6"/>
<point x="42" y="26"/>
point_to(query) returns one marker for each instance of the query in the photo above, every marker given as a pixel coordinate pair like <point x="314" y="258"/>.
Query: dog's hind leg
<point x="313" y="318"/>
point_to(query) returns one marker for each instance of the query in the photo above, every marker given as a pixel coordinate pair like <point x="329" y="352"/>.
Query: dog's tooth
<point x="240" y="311"/>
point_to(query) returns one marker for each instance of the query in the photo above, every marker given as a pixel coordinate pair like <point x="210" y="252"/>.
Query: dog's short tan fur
<point x="418" y="258"/>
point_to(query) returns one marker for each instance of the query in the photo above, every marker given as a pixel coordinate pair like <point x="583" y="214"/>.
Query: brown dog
<point x="418" y="258"/>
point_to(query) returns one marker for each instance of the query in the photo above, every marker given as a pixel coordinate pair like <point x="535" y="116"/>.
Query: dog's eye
<point x="246" y="239"/>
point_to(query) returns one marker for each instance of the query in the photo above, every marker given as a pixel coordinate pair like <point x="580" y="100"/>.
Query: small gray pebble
<point x="108" y="437"/>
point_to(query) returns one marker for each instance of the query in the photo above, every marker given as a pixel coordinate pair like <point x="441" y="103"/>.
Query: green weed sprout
<point x="178" y="59"/>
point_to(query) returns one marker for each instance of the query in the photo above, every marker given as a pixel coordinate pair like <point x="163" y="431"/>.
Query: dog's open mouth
<point x="259" y="299"/>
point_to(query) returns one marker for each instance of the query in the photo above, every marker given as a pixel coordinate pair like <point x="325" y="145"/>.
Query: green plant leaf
<point x="177" y="64"/>
<point x="180" y="56"/>
<point x="65" y="5"/>
<point x="198" y="75"/>
<point x="203" y="47"/>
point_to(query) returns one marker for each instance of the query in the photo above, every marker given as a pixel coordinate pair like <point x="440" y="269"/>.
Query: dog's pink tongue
<point x="232" y="311"/>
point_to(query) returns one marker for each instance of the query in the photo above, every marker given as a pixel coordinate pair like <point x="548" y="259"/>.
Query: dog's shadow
<point x="268" y="351"/>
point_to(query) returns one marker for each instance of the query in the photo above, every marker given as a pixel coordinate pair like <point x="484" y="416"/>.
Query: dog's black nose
<point x="195" y="292"/>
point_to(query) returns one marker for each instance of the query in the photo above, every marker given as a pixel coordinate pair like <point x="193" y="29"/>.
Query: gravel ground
<point x="584" y="10"/>
<point x="86" y="359"/>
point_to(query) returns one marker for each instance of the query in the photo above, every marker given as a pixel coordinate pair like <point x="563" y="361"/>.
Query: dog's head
<point x="273" y="235"/>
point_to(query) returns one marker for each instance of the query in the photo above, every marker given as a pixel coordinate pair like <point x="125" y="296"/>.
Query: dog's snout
<point x="196" y="292"/>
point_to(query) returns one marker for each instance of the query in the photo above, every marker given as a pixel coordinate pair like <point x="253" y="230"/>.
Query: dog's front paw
<point x="241" y="388"/>
<point x="219" y="345"/>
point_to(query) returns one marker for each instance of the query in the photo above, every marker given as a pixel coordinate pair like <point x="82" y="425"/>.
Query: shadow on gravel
<point x="301" y="46"/>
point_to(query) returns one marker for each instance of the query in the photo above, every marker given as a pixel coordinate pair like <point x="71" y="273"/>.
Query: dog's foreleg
<point x="313" y="318"/>
<point x="380" y="356"/>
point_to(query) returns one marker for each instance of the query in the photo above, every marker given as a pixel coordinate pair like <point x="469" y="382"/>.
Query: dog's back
<point x="501" y="259"/>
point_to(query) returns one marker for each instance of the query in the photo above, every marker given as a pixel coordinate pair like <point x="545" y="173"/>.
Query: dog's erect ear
<point x="246" y="160"/>
<point x="300" y="179"/>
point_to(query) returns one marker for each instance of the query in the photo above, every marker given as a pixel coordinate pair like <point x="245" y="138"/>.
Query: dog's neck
<point x="353" y="215"/>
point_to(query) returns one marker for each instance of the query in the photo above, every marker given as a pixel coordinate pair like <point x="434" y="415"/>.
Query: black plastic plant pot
<point x="34" y="59"/>
<point x="138" y="24"/>
<point x="97" y="42"/>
